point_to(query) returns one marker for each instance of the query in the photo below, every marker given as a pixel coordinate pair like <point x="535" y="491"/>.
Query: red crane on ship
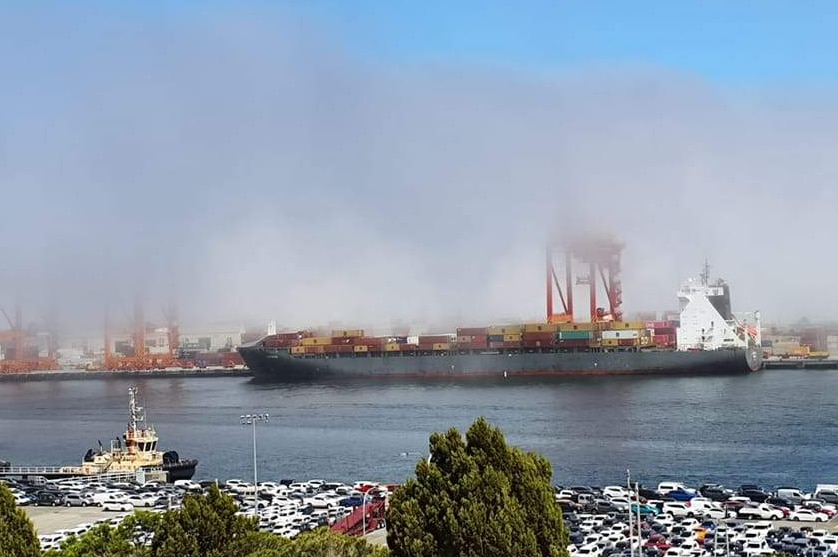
<point x="601" y="256"/>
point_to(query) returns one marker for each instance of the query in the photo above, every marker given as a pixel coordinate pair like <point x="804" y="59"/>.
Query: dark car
<point x="681" y="495"/>
<point x="779" y="502"/>
<point x="828" y="496"/>
<point x="48" y="499"/>
<point x="715" y="493"/>
<point x="756" y="495"/>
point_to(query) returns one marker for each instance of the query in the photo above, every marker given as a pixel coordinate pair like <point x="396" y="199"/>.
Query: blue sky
<point x="745" y="42"/>
<point x="741" y="42"/>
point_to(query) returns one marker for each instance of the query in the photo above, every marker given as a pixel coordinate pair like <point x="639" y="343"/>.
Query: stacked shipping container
<point x="531" y="336"/>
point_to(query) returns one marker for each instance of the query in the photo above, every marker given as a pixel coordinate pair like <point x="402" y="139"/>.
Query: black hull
<point x="278" y="365"/>
<point x="180" y="470"/>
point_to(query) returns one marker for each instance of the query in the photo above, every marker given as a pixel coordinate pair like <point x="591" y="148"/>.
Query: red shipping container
<point x="496" y="344"/>
<point x="477" y="344"/>
<point x="408" y="347"/>
<point x="627" y="342"/>
<point x="537" y="343"/>
<point x="665" y="330"/>
<point x="471" y="331"/>
<point x="315" y="349"/>
<point x="512" y="344"/>
<point x="664" y="340"/>
<point x="573" y="343"/>
<point x="370" y="341"/>
<point x="434" y="339"/>
<point x="539" y="336"/>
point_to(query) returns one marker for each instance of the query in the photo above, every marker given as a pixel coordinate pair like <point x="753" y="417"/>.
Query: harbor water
<point x="777" y="427"/>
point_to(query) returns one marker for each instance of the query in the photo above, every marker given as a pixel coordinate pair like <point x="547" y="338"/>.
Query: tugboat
<point x="137" y="449"/>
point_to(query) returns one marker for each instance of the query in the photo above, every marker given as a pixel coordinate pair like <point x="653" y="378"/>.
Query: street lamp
<point x="252" y="420"/>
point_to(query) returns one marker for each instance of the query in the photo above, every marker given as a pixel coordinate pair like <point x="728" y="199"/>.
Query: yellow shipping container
<point x="362" y="348"/>
<point x="576" y="326"/>
<point x="628" y="325"/>
<point x="515" y="337"/>
<point x="541" y="328"/>
<point x="442" y="346"/>
<point x="348" y="333"/>
<point x="316" y="341"/>
<point x="391" y="347"/>
<point x="298" y="349"/>
<point x="610" y="342"/>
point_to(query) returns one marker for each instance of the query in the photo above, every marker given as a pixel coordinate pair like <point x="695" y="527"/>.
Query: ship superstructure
<point x="707" y="321"/>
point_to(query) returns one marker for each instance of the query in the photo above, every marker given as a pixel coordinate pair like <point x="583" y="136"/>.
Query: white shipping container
<point x="413" y="340"/>
<point x="615" y="335"/>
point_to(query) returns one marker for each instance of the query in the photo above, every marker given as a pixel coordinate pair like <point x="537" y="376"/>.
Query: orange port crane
<point x="15" y="338"/>
<point x="141" y="359"/>
<point x="602" y="258"/>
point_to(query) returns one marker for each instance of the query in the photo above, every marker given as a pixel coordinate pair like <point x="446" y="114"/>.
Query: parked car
<point x="117" y="506"/>
<point x="48" y="499"/>
<point x="761" y="511"/>
<point x="809" y="515"/>
<point x="77" y="500"/>
<point x="682" y="494"/>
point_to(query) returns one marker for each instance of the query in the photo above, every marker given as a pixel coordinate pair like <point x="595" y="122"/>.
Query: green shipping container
<point x="575" y="335"/>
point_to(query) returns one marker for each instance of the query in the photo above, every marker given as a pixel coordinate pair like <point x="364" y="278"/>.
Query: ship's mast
<point x="705" y="275"/>
<point x="135" y="412"/>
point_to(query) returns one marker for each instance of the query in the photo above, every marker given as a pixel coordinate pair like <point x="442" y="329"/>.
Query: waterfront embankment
<point x="65" y="375"/>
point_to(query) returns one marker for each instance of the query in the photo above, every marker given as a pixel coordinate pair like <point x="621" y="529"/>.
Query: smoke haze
<point x="253" y="166"/>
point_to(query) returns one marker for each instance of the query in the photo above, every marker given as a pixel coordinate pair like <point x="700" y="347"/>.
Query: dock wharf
<point x="801" y="363"/>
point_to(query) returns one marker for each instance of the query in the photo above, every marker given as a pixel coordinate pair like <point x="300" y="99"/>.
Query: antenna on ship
<point x="705" y="275"/>
<point x="135" y="412"/>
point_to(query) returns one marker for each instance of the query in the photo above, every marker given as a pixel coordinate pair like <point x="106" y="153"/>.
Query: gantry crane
<point x="602" y="258"/>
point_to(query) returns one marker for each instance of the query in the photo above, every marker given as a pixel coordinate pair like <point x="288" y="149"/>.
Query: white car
<point x="143" y="499"/>
<point x="620" y="503"/>
<point x="678" y="508"/>
<point x="714" y="513"/>
<point x="807" y="515"/>
<point x="117" y="506"/>
<point x="763" y="511"/>
<point x="611" y="491"/>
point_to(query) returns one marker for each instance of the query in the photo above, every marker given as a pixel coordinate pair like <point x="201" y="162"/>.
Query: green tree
<point x="17" y="535"/>
<point x="263" y="544"/>
<point x="477" y="497"/>
<point x="205" y="526"/>
<point x="125" y="540"/>
<point x="322" y="542"/>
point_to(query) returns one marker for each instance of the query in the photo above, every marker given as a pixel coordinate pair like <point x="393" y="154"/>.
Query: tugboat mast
<point x="135" y="413"/>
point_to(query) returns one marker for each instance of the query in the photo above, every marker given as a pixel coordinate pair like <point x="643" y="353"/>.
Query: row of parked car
<point x="285" y="508"/>
<point x="614" y="521"/>
<point x="712" y="501"/>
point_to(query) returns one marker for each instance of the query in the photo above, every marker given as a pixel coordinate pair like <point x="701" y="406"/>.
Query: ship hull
<point x="279" y="366"/>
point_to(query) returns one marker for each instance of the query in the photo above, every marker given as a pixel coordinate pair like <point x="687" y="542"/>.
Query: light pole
<point x="252" y="420"/>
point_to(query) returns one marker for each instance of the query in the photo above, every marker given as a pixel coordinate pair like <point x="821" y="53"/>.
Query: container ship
<point x="706" y="339"/>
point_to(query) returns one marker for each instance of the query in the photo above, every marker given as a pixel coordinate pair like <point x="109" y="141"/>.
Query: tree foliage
<point x="204" y="526"/>
<point x="477" y="497"/>
<point x="325" y="543"/>
<point x="17" y="535"/>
